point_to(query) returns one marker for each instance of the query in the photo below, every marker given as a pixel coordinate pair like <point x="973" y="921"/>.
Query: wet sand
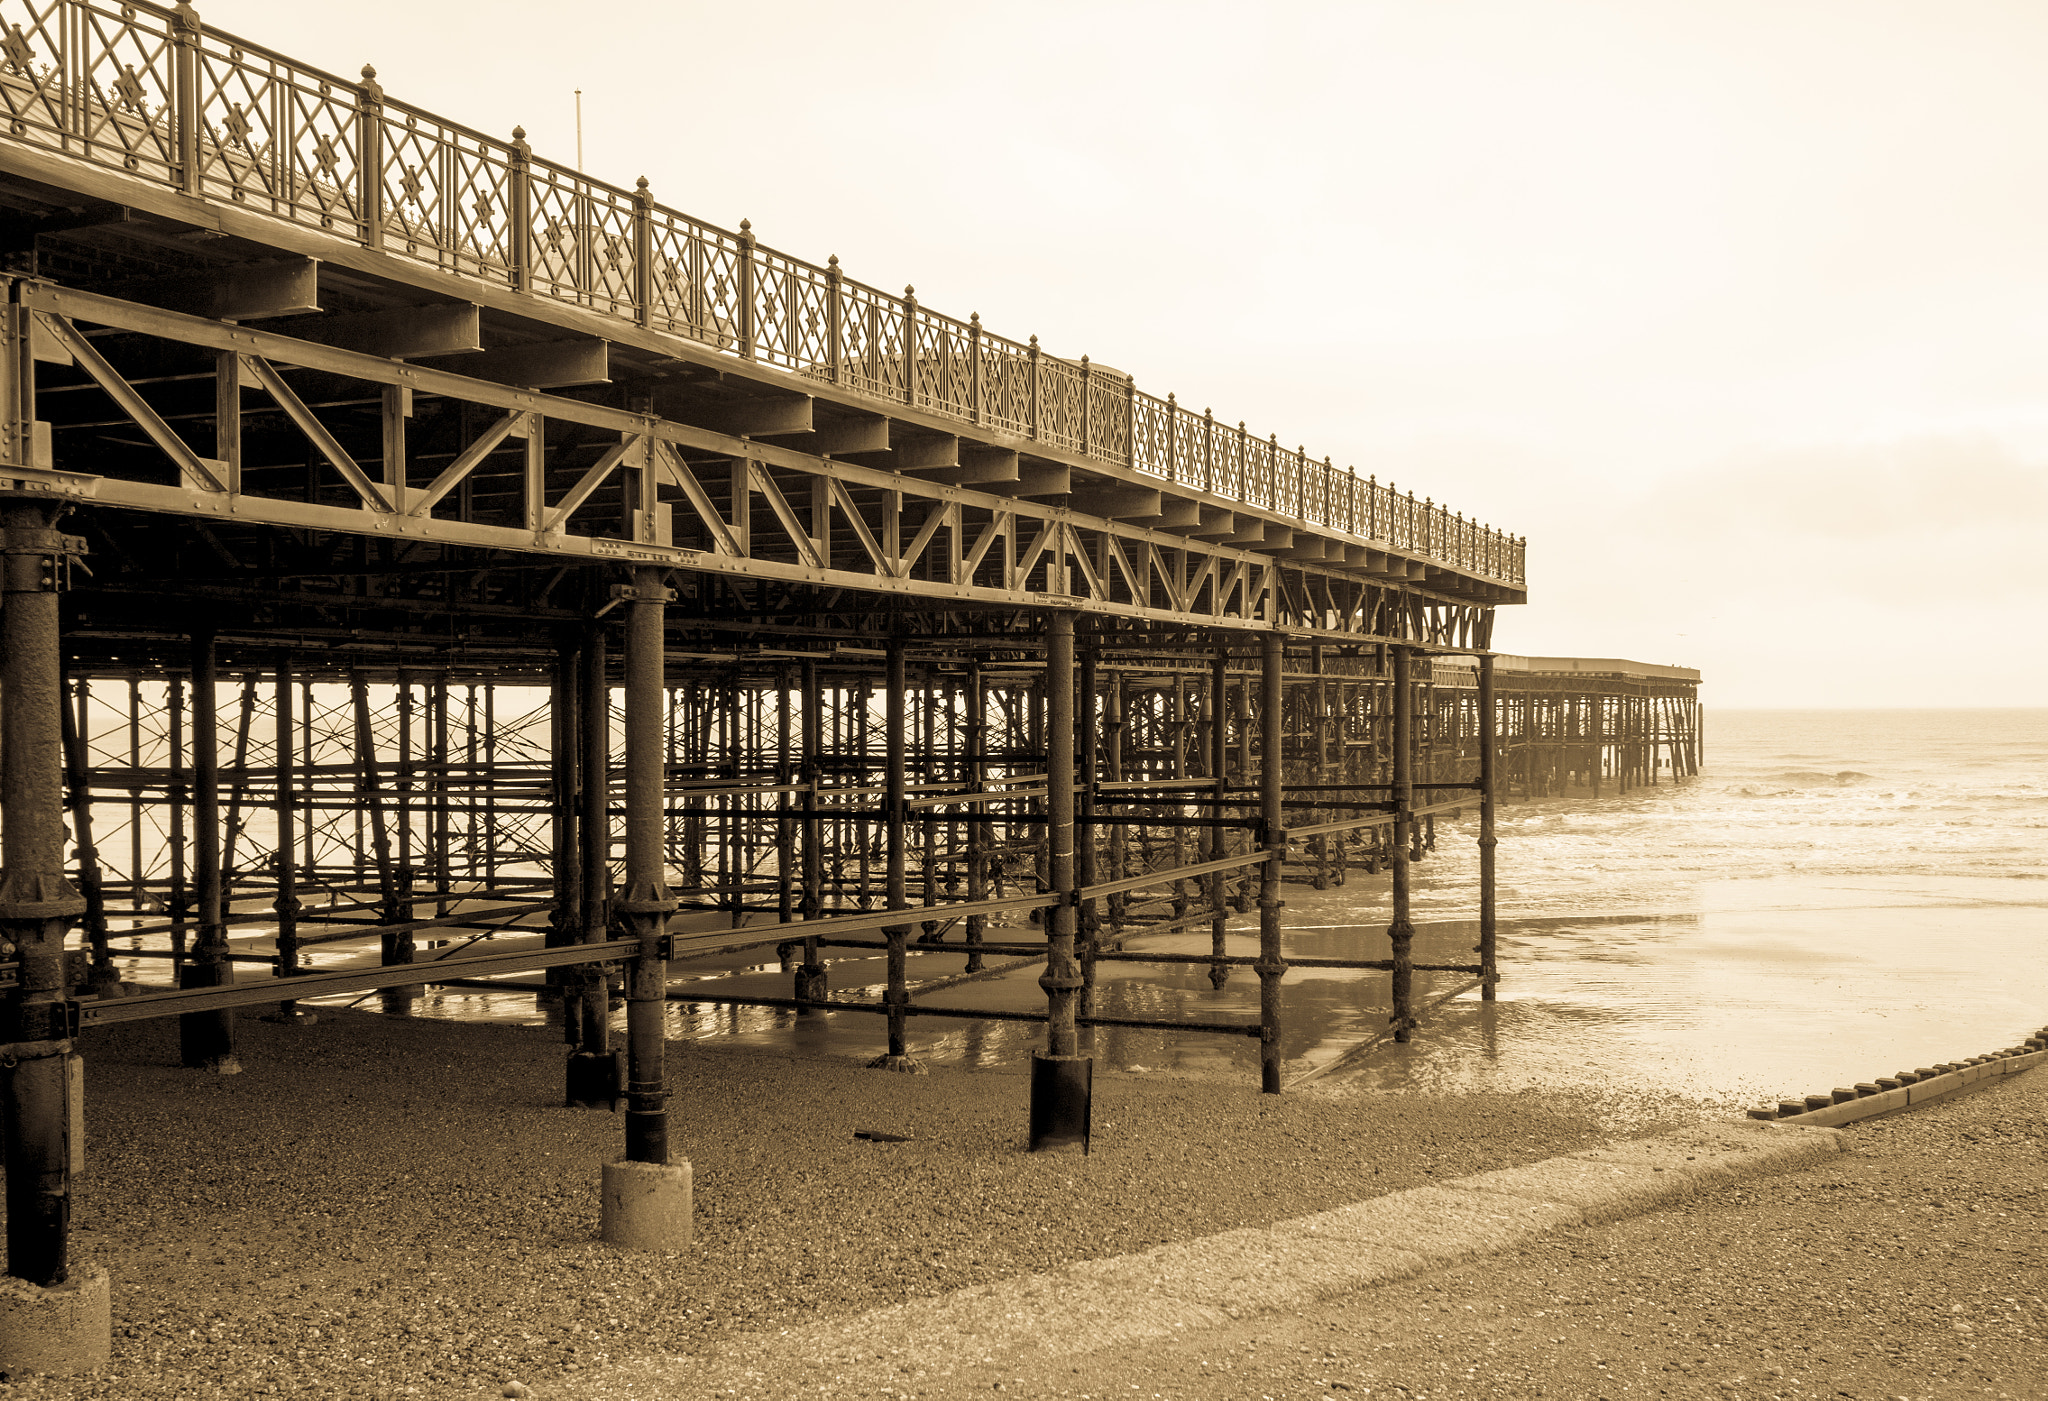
<point x="387" y="1207"/>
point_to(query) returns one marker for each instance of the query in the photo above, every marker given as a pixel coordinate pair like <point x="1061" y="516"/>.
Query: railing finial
<point x="183" y="16"/>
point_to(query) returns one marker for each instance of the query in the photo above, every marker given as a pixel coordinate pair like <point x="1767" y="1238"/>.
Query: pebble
<point x="388" y="1207"/>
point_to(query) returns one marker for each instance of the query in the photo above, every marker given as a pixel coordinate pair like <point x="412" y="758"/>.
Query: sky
<point x="1736" y="309"/>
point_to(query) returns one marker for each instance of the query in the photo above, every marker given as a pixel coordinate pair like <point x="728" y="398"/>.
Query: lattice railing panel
<point x="273" y="141"/>
<point x="1005" y="384"/>
<point x="943" y="364"/>
<point x="1258" y="472"/>
<point x="1109" y="419"/>
<point x="1059" y="403"/>
<point x="871" y="337"/>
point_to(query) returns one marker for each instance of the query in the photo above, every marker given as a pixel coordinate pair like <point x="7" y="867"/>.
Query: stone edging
<point x="1907" y="1088"/>
<point x="1164" y="1292"/>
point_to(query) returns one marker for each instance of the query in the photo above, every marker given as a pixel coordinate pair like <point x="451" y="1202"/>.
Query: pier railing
<point x="148" y="91"/>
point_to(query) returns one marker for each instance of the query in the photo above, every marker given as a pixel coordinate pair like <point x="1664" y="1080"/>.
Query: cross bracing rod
<point x="484" y="220"/>
<point x="1047" y="554"/>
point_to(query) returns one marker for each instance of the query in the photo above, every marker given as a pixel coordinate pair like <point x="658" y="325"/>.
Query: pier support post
<point x="1216" y="703"/>
<point x="811" y="985"/>
<point x="1088" y="924"/>
<point x="895" y="816"/>
<point x="55" y="1319"/>
<point x="1402" y="931"/>
<point x="1489" y="970"/>
<point x="285" y="812"/>
<point x="206" y="1040"/>
<point x="1270" y="967"/>
<point x="1060" y="1076"/>
<point x="102" y="980"/>
<point x="565" y="864"/>
<point x="593" y="1070"/>
<point x="647" y="1202"/>
<point x="976" y="698"/>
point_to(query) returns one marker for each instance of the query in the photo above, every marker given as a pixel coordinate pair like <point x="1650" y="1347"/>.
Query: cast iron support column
<point x="593" y="1070"/>
<point x="1489" y="967"/>
<point x="1115" y="702"/>
<point x="207" y="1039"/>
<point x="37" y="904"/>
<point x="565" y="920"/>
<point x="1060" y="1077"/>
<point x="785" y="828"/>
<point x="286" y="815"/>
<point x="1270" y="967"/>
<point x="647" y="901"/>
<point x="646" y="1202"/>
<point x="1219" y="767"/>
<point x="178" y="898"/>
<point x="894" y="812"/>
<point x="102" y="979"/>
<point x="811" y="984"/>
<point x="977" y="827"/>
<point x="1089" y="928"/>
<point x="1402" y="932"/>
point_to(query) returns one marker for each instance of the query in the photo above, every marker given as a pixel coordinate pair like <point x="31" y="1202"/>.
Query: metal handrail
<point x="147" y="90"/>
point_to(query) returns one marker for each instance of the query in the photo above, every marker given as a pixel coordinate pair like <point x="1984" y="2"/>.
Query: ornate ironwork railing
<point x="149" y="91"/>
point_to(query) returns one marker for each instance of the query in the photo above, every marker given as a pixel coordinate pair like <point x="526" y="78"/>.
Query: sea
<point x="1838" y="895"/>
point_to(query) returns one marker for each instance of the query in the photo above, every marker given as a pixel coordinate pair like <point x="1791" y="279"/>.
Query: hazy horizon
<point x="1734" y="311"/>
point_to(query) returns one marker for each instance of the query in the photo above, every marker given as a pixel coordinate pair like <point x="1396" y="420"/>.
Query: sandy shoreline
<point x="383" y="1207"/>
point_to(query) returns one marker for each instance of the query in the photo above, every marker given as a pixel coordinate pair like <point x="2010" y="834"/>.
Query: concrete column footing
<point x="62" y="1331"/>
<point x="647" y="1206"/>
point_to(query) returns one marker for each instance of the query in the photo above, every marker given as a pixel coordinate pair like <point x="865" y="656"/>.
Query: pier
<point x="426" y="563"/>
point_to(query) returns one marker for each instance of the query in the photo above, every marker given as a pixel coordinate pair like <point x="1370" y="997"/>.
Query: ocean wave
<point x="1813" y="778"/>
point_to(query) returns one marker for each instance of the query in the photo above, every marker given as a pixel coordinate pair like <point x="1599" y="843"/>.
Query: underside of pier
<point x="426" y="564"/>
